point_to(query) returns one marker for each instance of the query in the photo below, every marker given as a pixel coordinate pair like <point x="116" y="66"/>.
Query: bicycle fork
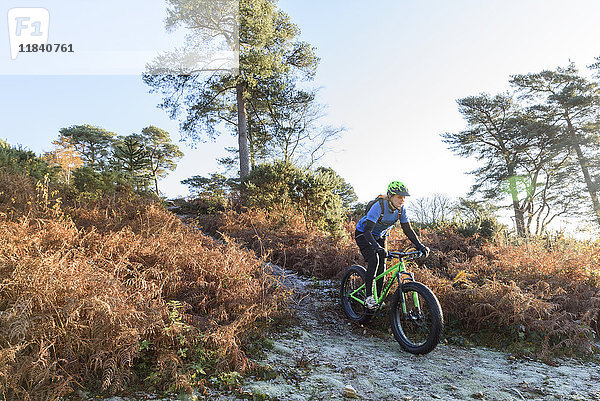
<point x="401" y="281"/>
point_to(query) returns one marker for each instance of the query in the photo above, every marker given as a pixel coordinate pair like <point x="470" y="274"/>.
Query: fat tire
<point x="435" y="313"/>
<point x="352" y="309"/>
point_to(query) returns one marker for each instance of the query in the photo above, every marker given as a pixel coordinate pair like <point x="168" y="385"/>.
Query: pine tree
<point x="268" y="49"/>
<point x="92" y="143"/>
<point x="162" y="154"/>
<point x="574" y="103"/>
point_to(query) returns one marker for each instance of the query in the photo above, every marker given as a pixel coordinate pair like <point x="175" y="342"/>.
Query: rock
<point x="186" y="397"/>
<point x="479" y="395"/>
<point x="350" y="392"/>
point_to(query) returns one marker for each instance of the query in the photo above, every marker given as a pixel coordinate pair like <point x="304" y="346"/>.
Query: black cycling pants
<point x="375" y="261"/>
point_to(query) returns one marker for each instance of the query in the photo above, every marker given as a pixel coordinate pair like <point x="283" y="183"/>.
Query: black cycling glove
<point x="424" y="250"/>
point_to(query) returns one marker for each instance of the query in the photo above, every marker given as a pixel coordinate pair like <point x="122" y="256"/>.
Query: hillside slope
<point x="316" y="359"/>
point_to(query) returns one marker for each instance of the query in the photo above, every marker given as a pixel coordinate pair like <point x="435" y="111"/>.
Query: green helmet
<point x="397" y="188"/>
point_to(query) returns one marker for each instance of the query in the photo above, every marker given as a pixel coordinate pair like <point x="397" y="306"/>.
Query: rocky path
<point x="323" y="354"/>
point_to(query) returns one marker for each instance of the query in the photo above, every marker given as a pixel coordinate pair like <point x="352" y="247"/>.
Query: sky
<point x="390" y="73"/>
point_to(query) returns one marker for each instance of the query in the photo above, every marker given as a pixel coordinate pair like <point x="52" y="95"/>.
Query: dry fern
<point x="82" y="288"/>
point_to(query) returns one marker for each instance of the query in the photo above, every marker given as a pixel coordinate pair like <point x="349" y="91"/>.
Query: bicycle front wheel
<point x="416" y="318"/>
<point x="353" y="294"/>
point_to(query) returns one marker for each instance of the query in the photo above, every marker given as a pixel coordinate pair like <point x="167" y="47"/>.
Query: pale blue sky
<point x="390" y="72"/>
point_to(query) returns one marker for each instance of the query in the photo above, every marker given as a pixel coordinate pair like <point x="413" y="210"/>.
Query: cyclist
<point x="372" y="231"/>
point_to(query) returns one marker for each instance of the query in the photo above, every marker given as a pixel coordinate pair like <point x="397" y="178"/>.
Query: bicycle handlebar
<point x="405" y="255"/>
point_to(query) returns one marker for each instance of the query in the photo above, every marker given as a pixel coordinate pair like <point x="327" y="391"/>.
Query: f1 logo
<point x="27" y="26"/>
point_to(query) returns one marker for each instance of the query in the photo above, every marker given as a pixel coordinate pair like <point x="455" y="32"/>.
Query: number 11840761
<point x="46" y="48"/>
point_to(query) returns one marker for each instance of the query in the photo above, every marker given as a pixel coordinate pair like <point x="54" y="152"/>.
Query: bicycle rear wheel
<point x="416" y="318"/>
<point x="352" y="299"/>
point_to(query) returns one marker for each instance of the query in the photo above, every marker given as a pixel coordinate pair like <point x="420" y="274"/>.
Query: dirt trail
<point x="323" y="354"/>
<point x="319" y="357"/>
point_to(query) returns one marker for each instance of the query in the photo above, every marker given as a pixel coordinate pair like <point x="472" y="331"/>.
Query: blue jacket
<point x="390" y="217"/>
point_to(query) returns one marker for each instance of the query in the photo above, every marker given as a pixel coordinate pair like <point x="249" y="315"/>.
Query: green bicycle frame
<point x="398" y="270"/>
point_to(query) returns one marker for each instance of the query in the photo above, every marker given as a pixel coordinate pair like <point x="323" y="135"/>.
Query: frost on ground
<point x="323" y="354"/>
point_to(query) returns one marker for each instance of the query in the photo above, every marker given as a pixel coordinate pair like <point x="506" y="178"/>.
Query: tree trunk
<point x="583" y="163"/>
<point x="242" y="133"/>
<point x="519" y="215"/>
<point x="519" y="219"/>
